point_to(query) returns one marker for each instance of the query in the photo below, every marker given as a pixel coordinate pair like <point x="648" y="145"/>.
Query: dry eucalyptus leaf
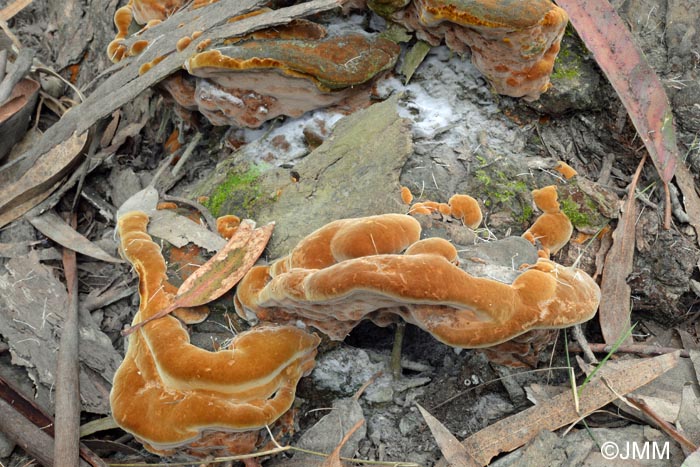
<point x="553" y="413"/>
<point x="179" y="231"/>
<point x="31" y="188"/>
<point x="145" y="200"/>
<point x="451" y="448"/>
<point x="16" y="113"/>
<point x="51" y="225"/>
<point x="17" y="211"/>
<point x="218" y="275"/>
<point x="616" y="300"/>
<point x="639" y="88"/>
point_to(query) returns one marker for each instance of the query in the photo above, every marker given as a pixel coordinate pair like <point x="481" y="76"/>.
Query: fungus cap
<point x="422" y="286"/>
<point x="190" y="391"/>
<point x="435" y="246"/>
<point x="553" y="228"/>
<point x="513" y="42"/>
<point x="332" y="63"/>
<point x="257" y="80"/>
<point x="467" y="209"/>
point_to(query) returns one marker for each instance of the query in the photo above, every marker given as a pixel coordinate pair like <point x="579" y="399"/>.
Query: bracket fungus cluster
<point x="553" y="228"/>
<point x="378" y="268"/>
<point x="462" y="207"/>
<point x="250" y="82"/>
<point x="283" y="71"/>
<point x="174" y="396"/>
<point x="513" y="42"/>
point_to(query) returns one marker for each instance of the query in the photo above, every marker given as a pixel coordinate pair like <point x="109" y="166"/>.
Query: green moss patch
<point x="241" y="188"/>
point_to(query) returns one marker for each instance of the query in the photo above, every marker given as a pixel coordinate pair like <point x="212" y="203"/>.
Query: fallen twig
<point x="639" y="349"/>
<point x="669" y="429"/>
<point x="29" y="437"/>
<point x="7" y="13"/>
<point x="67" y="433"/>
<point x="42" y="421"/>
<point x="21" y="67"/>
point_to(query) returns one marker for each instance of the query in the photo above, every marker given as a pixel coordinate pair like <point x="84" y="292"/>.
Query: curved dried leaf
<point x="616" y="299"/>
<point x="218" y="275"/>
<point x="18" y="211"/>
<point x="638" y="86"/>
<point x="145" y="200"/>
<point x="179" y="230"/>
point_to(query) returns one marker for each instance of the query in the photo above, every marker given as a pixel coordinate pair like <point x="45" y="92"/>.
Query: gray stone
<point x="344" y="370"/>
<point x="354" y="173"/>
<point x="325" y="435"/>
<point x="575" y="81"/>
<point x="6" y="446"/>
<point x="410" y="422"/>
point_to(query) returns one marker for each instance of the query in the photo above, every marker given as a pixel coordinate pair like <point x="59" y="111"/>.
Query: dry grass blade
<point x="454" y="452"/>
<point x="218" y="275"/>
<point x="639" y="349"/>
<point x="51" y="225"/>
<point x="636" y="83"/>
<point x="615" y="302"/>
<point x="516" y="430"/>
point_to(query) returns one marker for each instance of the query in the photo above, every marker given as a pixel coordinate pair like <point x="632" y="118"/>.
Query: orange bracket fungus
<point x="282" y="71"/>
<point x="513" y="42"/>
<point x="461" y="207"/>
<point x="254" y="81"/>
<point x="565" y="170"/>
<point x="466" y="209"/>
<point x="553" y="228"/>
<point x="406" y="195"/>
<point x="175" y="397"/>
<point x="423" y="285"/>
